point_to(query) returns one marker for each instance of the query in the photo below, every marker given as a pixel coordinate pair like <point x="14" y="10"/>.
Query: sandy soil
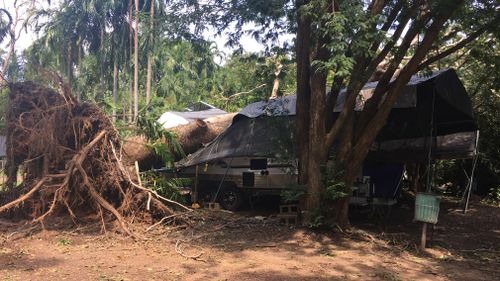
<point x="223" y="246"/>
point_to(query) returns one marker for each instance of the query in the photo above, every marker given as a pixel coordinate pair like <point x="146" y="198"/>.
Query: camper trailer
<point x="432" y="118"/>
<point x="232" y="179"/>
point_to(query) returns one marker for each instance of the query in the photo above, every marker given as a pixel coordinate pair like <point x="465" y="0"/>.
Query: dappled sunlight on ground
<point x="229" y="246"/>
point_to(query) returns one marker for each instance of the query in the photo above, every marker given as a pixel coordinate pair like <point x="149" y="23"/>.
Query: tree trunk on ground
<point x="136" y="62"/>
<point x="150" y="59"/>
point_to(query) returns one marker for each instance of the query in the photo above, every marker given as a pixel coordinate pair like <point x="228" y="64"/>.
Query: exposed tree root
<point x="69" y="152"/>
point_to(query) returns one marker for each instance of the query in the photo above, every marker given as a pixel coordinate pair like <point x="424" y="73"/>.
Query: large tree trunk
<point x="150" y="59"/>
<point x="303" y="92"/>
<point x="317" y="152"/>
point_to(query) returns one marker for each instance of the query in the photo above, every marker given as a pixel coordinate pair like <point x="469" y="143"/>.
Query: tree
<point x="477" y="65"/>
<point x="348" y="42"/>
<point x="13" y="24"/>
<point x="150" y="56"/>
<point x="136" y="61"/>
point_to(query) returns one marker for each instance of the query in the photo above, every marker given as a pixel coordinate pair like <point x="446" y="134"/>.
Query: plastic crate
<point x="427" y="207"/>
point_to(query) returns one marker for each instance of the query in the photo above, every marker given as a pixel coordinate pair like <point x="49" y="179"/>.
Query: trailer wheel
<point x="230" y="198"/>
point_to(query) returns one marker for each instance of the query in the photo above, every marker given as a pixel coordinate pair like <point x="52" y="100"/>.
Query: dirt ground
<point x="225" y="246"/>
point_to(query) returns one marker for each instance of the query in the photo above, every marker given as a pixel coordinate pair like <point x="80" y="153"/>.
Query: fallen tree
<point x="191" y="137"/>
<point x="72" y="163"/>
<point x="194" y="135"/>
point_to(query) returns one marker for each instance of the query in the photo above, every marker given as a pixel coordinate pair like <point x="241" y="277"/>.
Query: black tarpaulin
<point x="438" y="102"/>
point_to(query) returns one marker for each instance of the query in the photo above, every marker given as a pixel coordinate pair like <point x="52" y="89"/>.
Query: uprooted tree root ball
<point x="71" y="157"/>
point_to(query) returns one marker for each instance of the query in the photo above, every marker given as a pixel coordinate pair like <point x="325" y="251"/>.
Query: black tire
<point x="230" y="198"/>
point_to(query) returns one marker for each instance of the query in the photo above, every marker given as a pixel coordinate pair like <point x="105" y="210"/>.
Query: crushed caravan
<point x="255" y="154"/>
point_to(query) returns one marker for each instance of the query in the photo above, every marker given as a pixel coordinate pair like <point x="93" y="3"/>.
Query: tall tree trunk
<point x="102" y="77"/>
<point x="12" y="43"/>
<point x="130" y="100"/>
<point x="150" y="59"/>
<point x="370" y="131"/>
<point x="131" y="54"/>
<point x="317" y="153"/>
<point x="136" y="61"/>
<point x="69" y="58"/>
<point x="79" y="66"/>
<point x="303" y="92"/>
<point x="115" y="89"/>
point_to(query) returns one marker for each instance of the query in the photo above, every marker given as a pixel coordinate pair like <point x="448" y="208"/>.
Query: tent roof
<point x="446" y="84"/>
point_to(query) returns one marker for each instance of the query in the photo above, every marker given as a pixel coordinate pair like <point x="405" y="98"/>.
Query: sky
<point x="27" y="37"/>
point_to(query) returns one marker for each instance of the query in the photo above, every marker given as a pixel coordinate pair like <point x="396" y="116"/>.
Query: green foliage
<point x="3" y="106"/>
<point x="494" y="196"/>
<point x="318" y="220"/>
<point x="5" y="22"/>
<point x="162" y="151"/>
<point x="293" y="192"/>
<point x="335" y="188"/>
<point x="168" y="188"/>
<point x="249" y="77"/>
<point x="477" y="65"/>
<point x="162" y="141"/>
<point x="64" y="242"/>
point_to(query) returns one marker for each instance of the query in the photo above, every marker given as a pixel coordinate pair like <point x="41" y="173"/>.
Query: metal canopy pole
<point x="430" y="172"/>
<point x="471" y="179"/>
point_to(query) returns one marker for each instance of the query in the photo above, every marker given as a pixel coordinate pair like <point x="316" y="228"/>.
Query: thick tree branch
<point x="376" y="6"/>
<point x="384" y="83"/>
<point x="473" y="36"/>
<point x="370" y="131"/>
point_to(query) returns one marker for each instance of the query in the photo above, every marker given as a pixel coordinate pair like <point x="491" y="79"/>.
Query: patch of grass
<point x="64" y="242"/>
<point x="388" y="276"/>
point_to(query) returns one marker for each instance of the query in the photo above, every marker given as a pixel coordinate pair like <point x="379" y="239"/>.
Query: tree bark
<point x="115" y="89"/>
<point x="69" y="58"/>
<point x="370" y="131"/>
<point x="150" y="59"/>
<point x="136" y="62"/>
<point x="303" y="92"/>
<point x="131" y="48"/>
<point x="79" y="66"/>
<point x="317" y="153"/>
<point x="276" y="83"/>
